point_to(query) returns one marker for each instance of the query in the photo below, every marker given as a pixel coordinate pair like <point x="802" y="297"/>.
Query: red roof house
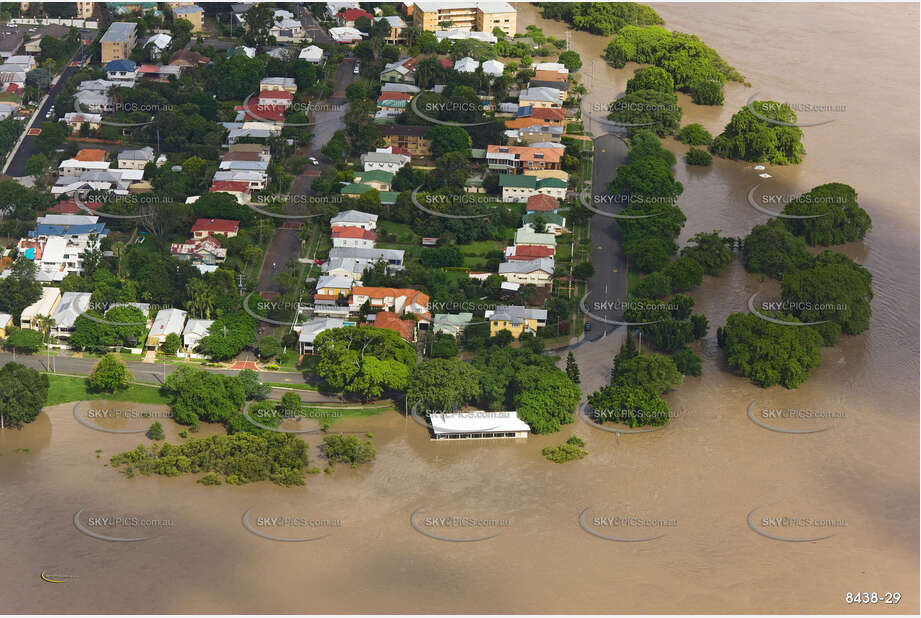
<point x="528" y="252"/>
<point x="206" y="227"/>
<point x="391" y="321"/>
<point x="542" y="203"/>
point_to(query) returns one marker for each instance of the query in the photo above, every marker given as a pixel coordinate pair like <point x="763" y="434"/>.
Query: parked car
<point x="313" y="160"/>
<point x="357" y="68"/>
<point x="588" y="326"/>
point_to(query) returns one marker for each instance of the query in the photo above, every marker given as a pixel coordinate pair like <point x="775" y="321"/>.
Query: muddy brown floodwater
<point x="693" y="484"/>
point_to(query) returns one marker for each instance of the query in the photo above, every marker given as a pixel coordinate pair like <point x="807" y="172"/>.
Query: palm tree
<point x="201" y="298"/>
<point x="44" y="324"/>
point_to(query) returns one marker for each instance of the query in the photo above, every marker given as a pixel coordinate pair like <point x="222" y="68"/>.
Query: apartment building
<point x="410" y="138"/>
<point x="192" y="13"/>
<point x="482" y="16"/>
<point x="118" y="41"/>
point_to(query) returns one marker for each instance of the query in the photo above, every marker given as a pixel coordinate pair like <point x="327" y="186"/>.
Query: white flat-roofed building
<point x="478" y="425"/>
<point x="384" y="161"/>
<point x="46" y="306"/>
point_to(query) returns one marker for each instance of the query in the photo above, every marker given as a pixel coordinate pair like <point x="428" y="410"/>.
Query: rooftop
<point x="119" y="32"/>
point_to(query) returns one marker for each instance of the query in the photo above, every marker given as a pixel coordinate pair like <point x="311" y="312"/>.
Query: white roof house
<point x="193" y="332"/>
<point x="386" y="161"/>
<point x="43" y="306"/>
<point x="478" y="425"/>
<point x="355" y="218"/>
<point x="451" y="323"/>
<point x="310" y="330"/>
<point x="336" y="282"/>
<point x="466" y="65"/>
<point x="457" y="34"/>
<point x="345" y="34"/>
<point x="527" y="236"/>
<point x="160" y="41"/>
<point x="542" y="93"/>
<point x="493" y="67"/>
<point x="551" y="66"/>
<point x="73" y="304"/>
<point x="311" y="54"/>
<point x="167" y="321"/>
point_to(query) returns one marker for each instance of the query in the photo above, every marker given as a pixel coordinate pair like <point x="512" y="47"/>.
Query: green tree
<point x="694" y="134"/>
<point x="749" y="138"/>
<point x="348" y="449"/>
<point x="834" y="288"/>
<point x="647" y="109"/>
<point x="835" y="216"/>
<point x="627" y="351"/>
<point x="684" y="274"/>
<point x="572" y="368"/>
<point x="109" y="375"/>
<point x="709" y="250"/>
<point x="37" y="165"/>
<point x="769" y="353"/>
<point x="651" y="78"/>
<point x="654" y="372"/>
<point x="771" y="249"/>
<point x="252" y="387"/>
<point x="364" y="361"/>
<point x="687" y="362"/>
<point x="268" y="346"/>
<point x="171" y="344"/>
<point x="19" y="289"/>
<point x="156" y="431"/>
<point x="447" y="139"/>
<point x="708" y="92"/>
<point x="197" y="394"/>
<point x="23" y="392"/>
<point x="571" y="60"/>
<point x="25" y="340"/>
<point x="634" y="406"/>
<point x="654" y="285"/>
<point x="443" y="384"/>
<point x="696" y="156"/>
<point x="546" y="399"/>
<point x="583" y="270"/>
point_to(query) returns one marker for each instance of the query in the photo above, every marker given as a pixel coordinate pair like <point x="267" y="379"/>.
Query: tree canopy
<point x="749" y="138"/>
<point x="364" y="361"/>
<point x="840" y="218"/>
<point x="23" y="392"/>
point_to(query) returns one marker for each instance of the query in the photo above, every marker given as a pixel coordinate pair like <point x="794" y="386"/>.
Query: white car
<point x="49" y="114"/>
<point x="357" y="68"/>
<point x="313" y="160"/>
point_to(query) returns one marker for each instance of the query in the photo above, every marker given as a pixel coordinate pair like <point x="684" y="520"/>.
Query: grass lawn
<point x="400" y="232"/>
<point x="63" y="389"/>
<point x="331" y="414"/>
<point x="480" y="247"/>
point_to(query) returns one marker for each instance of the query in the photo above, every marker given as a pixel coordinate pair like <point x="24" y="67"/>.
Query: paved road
<point x="608" y="287"/>
<point x="312" y="28"/>
<point x="153" y="373"/>
<point x="17" y="166"/>
<point x="329" y="118"/>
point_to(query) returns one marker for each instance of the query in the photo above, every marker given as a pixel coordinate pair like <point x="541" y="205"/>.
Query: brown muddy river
<point x="693" y="484"/>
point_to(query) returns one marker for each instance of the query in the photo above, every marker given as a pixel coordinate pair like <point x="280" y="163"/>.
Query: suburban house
<point x="401" y="71"/>
<point x="255" y="180"/>
<point x="392" y="257"/>
<point x="6" y="320"/>
<point x="122" y="71"/>
<point x="205" y="252"/>
<point x="239" y="189"/>
<point x="203" y="228"/>
<point x="378" y="179"/>
<point x="528" y="252"/>
<point x="525" y="236"/>
<point x="530" y="116"/>
<point x="478" y="425"/>
<point x="391" y="321"/>
<point x="400" y="301"/>
<point x="457" y="34"/>
<point x="521" y="187"/>
<point x="312" y="54"/>
<point x="347" y="17"/>
<point x="515" y="319"/>
<point x="44" y="306"/>
<point x="345" y="35"/>
<point x="493" y="68"/>
<point x="384" y="161"/>
<point x="58" y="242"/>
<point x="158" y="44"/>
<point x="193" y="332"/>
<point x="354" y="218"/>
<point x="167" y="321"/>
<point x="410" y="138"/>
<point x="466" y="65"/>
<point x="554" y="223"/>
<point x="286" y="84"/>
<point x="72" y="306"/>
<point x="451" y="323"/>
<point x="135" y="159"/>
<point x="538" y="272"/>
<point x="76" y="121"/>
<point x="541" y="97"/>
<point x="347" y="236"/>
<point x="310" y="330"/>
<point x="518" y="159"/>
<point x="331" y="287"/>
<point x="118" y="41"/>
<point x="188" y="58"/>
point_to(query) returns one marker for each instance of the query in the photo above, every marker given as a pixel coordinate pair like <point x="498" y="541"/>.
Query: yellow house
<point x="516" y="319"/>
<point x="331" y="287"/>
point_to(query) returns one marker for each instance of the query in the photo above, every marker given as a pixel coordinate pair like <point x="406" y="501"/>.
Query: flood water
<point x="705" y="473"/>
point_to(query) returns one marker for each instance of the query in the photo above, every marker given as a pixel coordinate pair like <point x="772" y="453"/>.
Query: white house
<point x="384" y="161"/>
<point x="167" y="321"/>
<point x="310" y="330"/>
<point x="312" y="54"/>
<point x="135" y="159"/>
<point x="73" y="305"/>
<point x="526" y="236"/>
<point x="193" y="332"/>
<point x="538" y="272"/>
<point x="466" y="65"/>
<point x="345" y="35"/>
<point x="493" y="68"/>
<point x="356" y="237"/>
<point x="355" y="218"/>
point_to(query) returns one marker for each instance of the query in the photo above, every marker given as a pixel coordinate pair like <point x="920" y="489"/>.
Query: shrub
<point x="156" y="431"/>
<point x="696" y="156"/>
<point x="563" y="453"/>
<point x="694" y="134"/>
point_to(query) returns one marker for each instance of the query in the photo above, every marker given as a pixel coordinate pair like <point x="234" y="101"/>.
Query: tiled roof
<point x="542" y="203"/>
<point x="218" y="226"/>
